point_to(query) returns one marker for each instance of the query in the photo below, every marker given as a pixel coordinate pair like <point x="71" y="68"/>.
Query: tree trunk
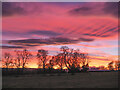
<point x="43" y="66"/>
<point x="23" y="67"/>
<point x="61" y="67"/>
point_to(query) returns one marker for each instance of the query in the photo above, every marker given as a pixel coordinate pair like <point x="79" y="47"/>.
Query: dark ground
<point x="65" y="80"/>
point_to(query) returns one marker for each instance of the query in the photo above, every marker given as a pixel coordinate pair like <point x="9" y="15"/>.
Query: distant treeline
<point x="73" y="60"/>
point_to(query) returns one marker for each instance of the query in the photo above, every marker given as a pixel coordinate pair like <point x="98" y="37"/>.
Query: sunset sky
<point x="88" y="26"/>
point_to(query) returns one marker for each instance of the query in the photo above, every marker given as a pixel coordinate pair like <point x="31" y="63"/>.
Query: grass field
<point x="79" y="80"/>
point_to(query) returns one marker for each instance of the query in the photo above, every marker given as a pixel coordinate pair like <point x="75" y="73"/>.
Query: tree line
<point x="69" y="58"/>
<point x="116" y="65"/>
<point x="72" y="59"/>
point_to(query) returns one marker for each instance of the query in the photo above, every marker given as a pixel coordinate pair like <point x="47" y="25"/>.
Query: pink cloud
<point x="72" y="21"/>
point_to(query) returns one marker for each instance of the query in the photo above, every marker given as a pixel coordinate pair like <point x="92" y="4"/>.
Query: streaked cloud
<point x="99" y="9"/>
<point x="10" y="47"/>
<point x="89" y="27"/>
<point x="10" y="9"/>
<point x="44" y="32"/>
<point x="49" y="41"/>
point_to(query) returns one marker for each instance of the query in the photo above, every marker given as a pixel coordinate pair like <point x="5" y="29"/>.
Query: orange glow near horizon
<point x="94" y="61"/>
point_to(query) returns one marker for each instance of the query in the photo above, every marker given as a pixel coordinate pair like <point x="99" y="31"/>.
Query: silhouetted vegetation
<point x="114" y="65"/>
<point x="117" y="65"/>
<point x="7" y="60"/>
<point x="42" y="58"/>
<point x="110" y="66"/>
<point x="67" y="61"/>
<point x="22" y="58"/>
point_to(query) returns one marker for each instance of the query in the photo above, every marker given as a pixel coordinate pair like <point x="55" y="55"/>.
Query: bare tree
<point x="64" y="54"/>
<point x="110" y="65"/>
<point x="84" y="59"/>
<point x="42" y="57"/>
<point x="59" y="60"/>
<point x="17" y="60"/>
<point x="117" y="65"/>
<point x="52" y="62"/>
<point x="72" y="59"/>
<point x="7" y="60"/>
<point x="75" y="58"/>
<point x="22" y="58"/>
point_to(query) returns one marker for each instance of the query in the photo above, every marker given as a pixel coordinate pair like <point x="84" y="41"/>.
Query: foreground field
<point x="79" y="80"/>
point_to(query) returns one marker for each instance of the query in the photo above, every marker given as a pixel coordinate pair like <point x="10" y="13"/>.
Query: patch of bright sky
<point x="56" y="46"/>
<point x="101" y="42"/>
<point x="6" y="45"/>
<point x="108" y="50"/>
<point x="59" y="46"/>
<point x="68" y="45"/>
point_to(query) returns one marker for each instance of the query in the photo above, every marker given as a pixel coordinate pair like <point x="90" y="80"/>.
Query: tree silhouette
<point x="110" y="65"/>
<point x="67" y="58"/>
<point x="59" y="60"/>
<point x="22" y="58"/>
<point x="52" y="62"/>
<point x="76" y="58"/>
<point x="17" y="60"/>
<point x="84" y="61"/>
<point x="7" y="60"/>
<point x="117" y="65"/>
<point x="42" y="57"/>
<point x="85" y="67"/>
<point x="72" y="59"/>
<point x="64" y="54"/>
